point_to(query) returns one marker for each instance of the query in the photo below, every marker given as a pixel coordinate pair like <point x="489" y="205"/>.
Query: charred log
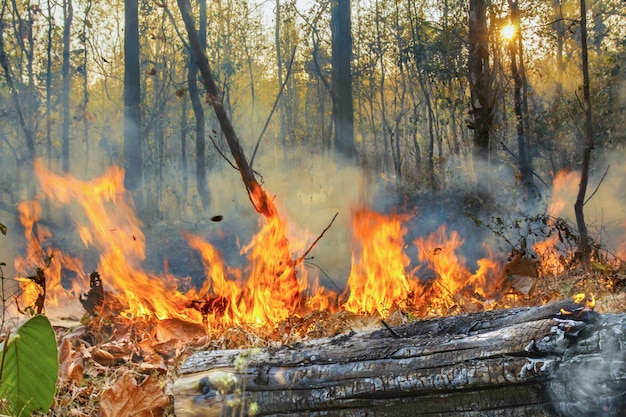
<point x="540" y="361"/>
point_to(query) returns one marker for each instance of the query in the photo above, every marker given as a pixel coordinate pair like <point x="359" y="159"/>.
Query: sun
<point x="508" y="32"/>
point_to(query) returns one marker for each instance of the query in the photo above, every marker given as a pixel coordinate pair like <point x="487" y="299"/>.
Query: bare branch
<point x="301" y="258"/>
<point x="280" y="93"/>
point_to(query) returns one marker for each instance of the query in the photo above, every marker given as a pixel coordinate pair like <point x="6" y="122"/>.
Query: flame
<point x="271" y="287"/>
<point x="452" y="277"/>
<point x="379" y="278"/>
<point x="565" y="188"/>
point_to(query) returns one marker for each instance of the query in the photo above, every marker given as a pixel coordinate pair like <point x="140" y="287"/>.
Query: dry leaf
<point x="102" y="356"/>
<point x="168" y="329"/>
<point x="71" y="364"/>
<point x="125" y="398"/>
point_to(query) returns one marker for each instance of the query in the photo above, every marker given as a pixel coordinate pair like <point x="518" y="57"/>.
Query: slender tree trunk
<point x="15" y="95"/>
<point x="387" y="137"/>
<point x="584" y="245"/>
<point x="563" y="161"/>
<point x="343" y="106"/>
<point x="183" y="143"/>
<point x="520" y="114"/>
<point x="478" y="64"/>
<point x="133" y="159"/>
<point x="68" y="14"/>
<point x="279" y="64"/>
<point x="49" y="85"/>
<point x="85" y="88"/>
<point x="198" y="111"/>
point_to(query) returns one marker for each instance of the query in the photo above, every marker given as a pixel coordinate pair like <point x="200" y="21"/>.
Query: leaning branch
<point x="300" y="259"/>
<point x="261" y="202"/>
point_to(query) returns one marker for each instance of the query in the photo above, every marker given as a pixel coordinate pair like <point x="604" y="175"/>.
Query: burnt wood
<point x="518" y="362"/>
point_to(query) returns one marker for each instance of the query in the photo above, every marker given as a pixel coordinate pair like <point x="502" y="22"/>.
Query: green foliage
<point x="30" y="367"/>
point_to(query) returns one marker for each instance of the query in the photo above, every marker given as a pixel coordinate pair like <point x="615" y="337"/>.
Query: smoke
<point x="604" y="210"/>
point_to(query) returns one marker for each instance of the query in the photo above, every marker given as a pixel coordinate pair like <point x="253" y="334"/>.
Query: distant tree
<point x="133" y="159"/>
<point x="521" y="106"/>
<point x="68" y="14"/>
<point x="478" y="64"/>
<point x="584" y="245"/>
<point x="14" y="83"/>
<point x="198" y="111"/>
<point x="343" y="105"/>
<point x="83" y="70"/>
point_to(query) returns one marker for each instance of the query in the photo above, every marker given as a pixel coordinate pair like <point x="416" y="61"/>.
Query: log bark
<point x="518" y="362"/>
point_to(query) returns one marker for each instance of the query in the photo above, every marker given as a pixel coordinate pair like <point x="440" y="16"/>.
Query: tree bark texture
<point x="343" y="105"/>
<point x="518" y="362"/>
<point x="133" y="158"/>
<point x="478" y="65"/>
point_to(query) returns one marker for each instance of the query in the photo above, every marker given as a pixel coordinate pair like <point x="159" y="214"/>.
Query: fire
<point x="379" y="277"/>
<point x="565" y="188"/>
<point x="271" y="287"/>
<point x="452" y="278"/>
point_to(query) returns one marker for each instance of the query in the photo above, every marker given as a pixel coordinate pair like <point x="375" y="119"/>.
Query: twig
<point x="222" y="154"/>
<point x="598" y="186"/>
<point x="269" y="117"/>
<point x="300" y="259"/>
<point x="326" y="275"/>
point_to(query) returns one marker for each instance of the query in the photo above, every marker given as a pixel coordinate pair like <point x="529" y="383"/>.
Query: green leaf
<point x="3" y="229"/>
<point x="31" y="367"/>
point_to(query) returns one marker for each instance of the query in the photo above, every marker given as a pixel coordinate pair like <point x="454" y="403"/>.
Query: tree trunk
<point x="343" y="106"/>
<point x="133" y="159"/>
<point x="521" y="115"/>
<point x="519" y="362"/>
<point x="279" y="63"/>
<point x="50" y="31"/>
<point x="584" y="245"/>
<point x="68" y="14"/>
<point x="183" y="143"/>
<point x="478" y="63"/>
<point x="85" y="89"/>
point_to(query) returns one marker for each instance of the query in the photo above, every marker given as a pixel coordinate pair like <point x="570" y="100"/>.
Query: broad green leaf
<point x="31" y="367"/>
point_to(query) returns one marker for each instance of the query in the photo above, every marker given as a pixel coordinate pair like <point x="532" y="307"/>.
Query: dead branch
<point x="262" y="204"/>
<point x="280" y="93"/>
<point x="301" y="258"/>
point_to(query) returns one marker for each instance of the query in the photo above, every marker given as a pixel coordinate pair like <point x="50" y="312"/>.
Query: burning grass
<point x="139" y="325"/>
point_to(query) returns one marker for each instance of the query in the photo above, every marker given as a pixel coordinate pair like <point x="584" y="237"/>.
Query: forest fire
<point x="271" y="287"/>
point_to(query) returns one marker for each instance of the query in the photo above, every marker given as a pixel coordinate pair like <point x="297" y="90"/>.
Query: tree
<point x="133" y="160"/>
<point x="584" y="245"/>
<point x="478" y="65"/>
<point x="521" y="111"/>
<point x="343" y="105"/>
<point x="68" y="14"/>
<point x="198" y="111"/>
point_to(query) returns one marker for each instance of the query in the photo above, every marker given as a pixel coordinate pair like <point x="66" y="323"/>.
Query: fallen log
<point x="559" y="359"/>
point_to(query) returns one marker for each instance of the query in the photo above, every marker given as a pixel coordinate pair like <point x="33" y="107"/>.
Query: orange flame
<point x="272" y="287"/>
<point x="379" y="278"/>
